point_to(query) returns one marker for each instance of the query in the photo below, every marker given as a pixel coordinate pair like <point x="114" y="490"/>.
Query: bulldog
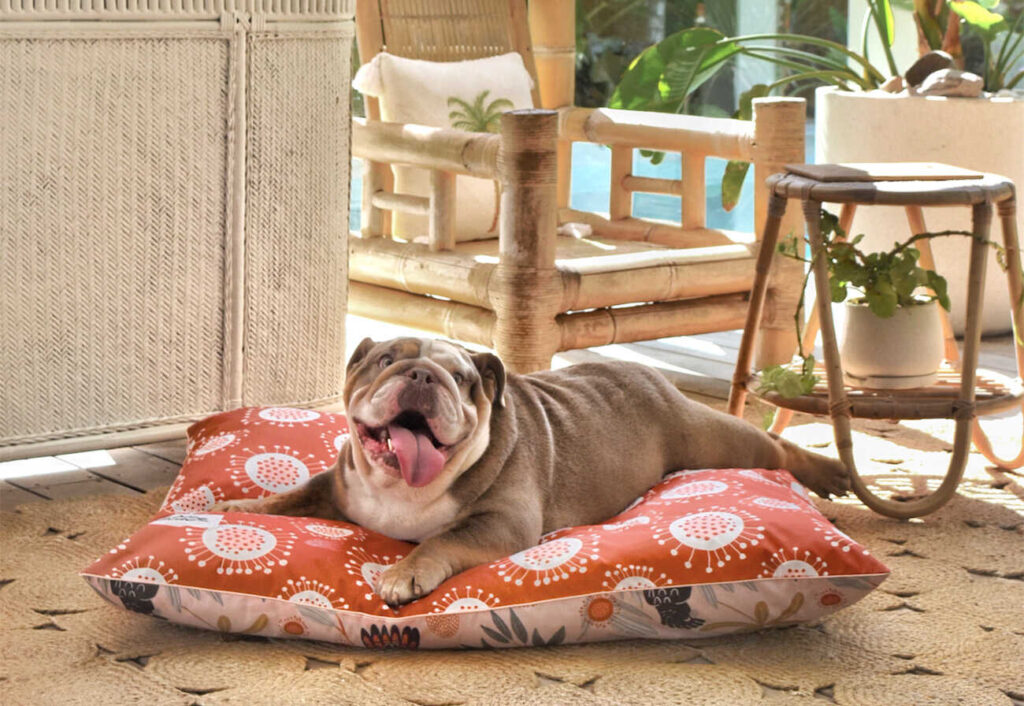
<point x="473" y="463"/>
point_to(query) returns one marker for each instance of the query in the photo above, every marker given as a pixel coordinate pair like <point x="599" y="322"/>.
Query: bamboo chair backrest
<point x="443" y="30"/>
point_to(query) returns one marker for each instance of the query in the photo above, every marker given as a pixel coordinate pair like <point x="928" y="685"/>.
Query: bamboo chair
<point x="531" y="293"/>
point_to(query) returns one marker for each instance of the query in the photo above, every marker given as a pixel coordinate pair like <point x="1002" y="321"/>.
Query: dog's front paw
<point x="245" y="505"/>
<point x="409" y="579"/>
<point x="830" y="477"/>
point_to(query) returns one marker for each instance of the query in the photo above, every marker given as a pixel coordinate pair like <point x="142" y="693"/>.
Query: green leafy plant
<point x="480" y="116"/>
<point x="664" y="76"/>
<point x="885" y="281"/>
<point x="988" y="26"/>
<point x="788" y="382"/>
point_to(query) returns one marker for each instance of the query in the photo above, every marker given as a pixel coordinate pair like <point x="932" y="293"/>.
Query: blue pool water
<point x="590" y="169"/>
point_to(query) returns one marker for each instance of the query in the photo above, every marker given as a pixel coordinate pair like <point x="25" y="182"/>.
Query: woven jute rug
<point x="946" y="628"/>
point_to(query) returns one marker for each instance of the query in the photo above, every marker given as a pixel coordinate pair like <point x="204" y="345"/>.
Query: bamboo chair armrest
<point x="456" y="151"/>
<point x="719" y="137"/>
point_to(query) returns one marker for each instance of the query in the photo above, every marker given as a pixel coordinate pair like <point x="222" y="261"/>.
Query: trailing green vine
<point x="885" y="281"/>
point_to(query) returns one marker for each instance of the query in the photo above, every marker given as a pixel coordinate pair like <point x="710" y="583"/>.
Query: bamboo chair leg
<point x="373" y="221"/>
<point x="738" y="392"/>
<point x="784" y="416"/>
<point x="527" y="291"/>
<point x="1015" y="285"/>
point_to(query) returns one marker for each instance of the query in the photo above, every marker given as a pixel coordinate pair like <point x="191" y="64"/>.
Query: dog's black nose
<point x="421" y="375"/>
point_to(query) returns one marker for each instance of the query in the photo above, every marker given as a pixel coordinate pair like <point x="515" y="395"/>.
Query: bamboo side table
<point x="962" y="392"/>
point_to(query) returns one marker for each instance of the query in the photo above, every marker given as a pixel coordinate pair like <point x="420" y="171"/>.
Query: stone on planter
<point x="927" y="65"/>
<point x="952" y="83"/>
<point x="893" y="85"/>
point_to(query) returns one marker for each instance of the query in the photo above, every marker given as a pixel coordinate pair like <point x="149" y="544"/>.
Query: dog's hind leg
<point x="708" y="438"/>
<point x="825" y="476"/>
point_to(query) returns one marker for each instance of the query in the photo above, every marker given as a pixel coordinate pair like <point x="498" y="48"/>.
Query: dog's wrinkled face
<point x="420" y="409"/>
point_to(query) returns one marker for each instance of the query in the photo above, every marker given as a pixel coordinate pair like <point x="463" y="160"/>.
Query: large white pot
<point x="976" y="133"/>
<point x="900" y="352"/>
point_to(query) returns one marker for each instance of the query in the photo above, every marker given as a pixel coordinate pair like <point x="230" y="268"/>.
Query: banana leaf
<point x="665" y="74"/>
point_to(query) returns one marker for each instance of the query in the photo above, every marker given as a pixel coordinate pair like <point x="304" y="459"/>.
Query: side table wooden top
<point x="891" y="184"/>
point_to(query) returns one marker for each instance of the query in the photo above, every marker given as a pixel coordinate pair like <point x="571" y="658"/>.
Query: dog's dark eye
<point x="385" y="361"/>
<point x="457" y="377"/>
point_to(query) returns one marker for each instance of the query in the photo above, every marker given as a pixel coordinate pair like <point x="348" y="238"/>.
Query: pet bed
<point x="703" y="553"/>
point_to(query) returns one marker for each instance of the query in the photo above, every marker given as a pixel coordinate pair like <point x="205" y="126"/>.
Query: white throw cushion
<point x="415" y="91"/>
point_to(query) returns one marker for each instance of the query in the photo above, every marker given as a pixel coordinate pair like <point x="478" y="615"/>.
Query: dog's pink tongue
<point x="419" y="460"/>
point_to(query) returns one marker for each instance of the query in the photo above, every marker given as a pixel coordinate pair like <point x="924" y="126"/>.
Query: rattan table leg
<point x="765" y="257"/>
<point x="783" y="416"/>
<point x="813" y="322"/>
<point x="1007" y="215"/>
<point x="839" y="404"/>
<point x="1015" y="286"/>
<point x="915" y="218"/>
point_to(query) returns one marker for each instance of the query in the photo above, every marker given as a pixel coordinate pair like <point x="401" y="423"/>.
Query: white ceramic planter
<point x="982" y="134"/>
<point x="901" y="352"/>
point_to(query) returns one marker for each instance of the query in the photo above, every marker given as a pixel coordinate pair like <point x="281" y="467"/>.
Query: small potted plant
<point x="893" y="334"/>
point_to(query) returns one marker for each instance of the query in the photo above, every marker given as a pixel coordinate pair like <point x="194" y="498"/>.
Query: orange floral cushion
<point x="703" y="553"/>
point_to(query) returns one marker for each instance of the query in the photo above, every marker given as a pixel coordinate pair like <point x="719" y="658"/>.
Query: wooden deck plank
<point x="729" y="340"/>
<point x="64" y="485"/>
<point x="173" y="451"/>
<point x="129" y="467"/>
<point x="682" y="361"/>
<point x="687" y="381"/>
<point x="36" y="466"/>
<point x="11" y="496"/>
<point x="710" y="362"/>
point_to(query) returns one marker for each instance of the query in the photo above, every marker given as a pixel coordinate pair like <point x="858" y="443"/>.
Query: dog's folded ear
<point x="361" y="351"/>
<point x="492" y="376"/>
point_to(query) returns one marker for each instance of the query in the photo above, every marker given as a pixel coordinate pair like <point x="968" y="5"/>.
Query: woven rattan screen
<point x="290" y="170"/>
<point x="173" y="216"/>
<point x="452" y="31"/>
